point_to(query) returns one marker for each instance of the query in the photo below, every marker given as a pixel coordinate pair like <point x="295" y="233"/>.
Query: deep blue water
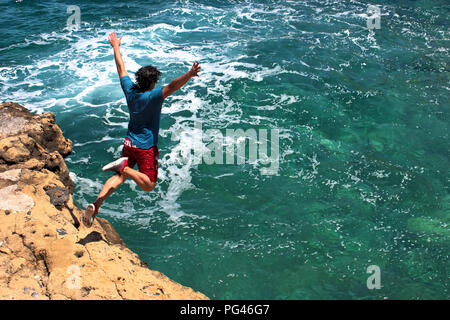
<point x="363" y="122"/>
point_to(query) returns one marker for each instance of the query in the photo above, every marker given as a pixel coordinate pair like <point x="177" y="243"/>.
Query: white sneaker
<point x="117" y="165"/>
<point x="89" y="215"/>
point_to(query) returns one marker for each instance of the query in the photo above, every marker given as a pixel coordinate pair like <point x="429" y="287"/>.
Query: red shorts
<point x="146" y="159"/>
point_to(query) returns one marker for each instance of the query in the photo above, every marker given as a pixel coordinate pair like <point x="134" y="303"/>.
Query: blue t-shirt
<point x="145" y="114"/>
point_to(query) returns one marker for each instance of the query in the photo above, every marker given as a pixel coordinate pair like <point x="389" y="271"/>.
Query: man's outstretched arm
<point x="115" y="43"/>
<point x="181" y="81"/>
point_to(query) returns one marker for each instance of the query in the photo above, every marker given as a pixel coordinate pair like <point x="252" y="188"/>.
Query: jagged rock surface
<point x="45" y="252"/>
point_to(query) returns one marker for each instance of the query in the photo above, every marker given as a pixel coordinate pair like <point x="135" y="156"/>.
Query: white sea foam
<point x="103" y="139"/>
<point x="92" y="82"/>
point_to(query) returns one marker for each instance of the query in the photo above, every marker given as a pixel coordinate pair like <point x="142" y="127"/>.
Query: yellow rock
<point x="45" y="252"/>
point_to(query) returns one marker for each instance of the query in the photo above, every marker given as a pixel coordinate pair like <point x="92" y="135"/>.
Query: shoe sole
<point x="89" y="213"/>
<point x="112" y="165"/>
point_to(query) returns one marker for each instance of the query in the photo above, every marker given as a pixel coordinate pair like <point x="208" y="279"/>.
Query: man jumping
<point x="140" y="145"/>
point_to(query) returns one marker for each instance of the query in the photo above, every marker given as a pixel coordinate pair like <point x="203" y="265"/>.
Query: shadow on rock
<point x="91" y="237"/>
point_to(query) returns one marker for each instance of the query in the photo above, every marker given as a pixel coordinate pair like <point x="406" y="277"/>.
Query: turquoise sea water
<point x="363" y="122"/>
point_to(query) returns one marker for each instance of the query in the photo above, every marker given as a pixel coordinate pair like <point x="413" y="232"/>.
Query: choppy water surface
<point x="363" y="120"/>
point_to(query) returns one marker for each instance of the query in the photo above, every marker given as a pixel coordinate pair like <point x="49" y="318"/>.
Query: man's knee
<point x="149" y="187"/>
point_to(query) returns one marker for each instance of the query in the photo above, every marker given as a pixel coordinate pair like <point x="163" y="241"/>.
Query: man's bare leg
<point x="141" y="179"/>
<point x="115" y="181"/>
<point x="108" y="188"/>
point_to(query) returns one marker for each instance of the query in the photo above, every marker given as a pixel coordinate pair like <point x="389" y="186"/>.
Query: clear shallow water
<point x="363" y="119"/>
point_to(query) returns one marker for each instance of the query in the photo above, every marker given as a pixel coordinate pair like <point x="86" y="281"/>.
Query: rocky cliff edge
<point x="45" y="251"/>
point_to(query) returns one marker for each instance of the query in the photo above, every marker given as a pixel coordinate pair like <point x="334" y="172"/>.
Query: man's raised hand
<point x="195" y="69"/>
<point x="115" y="43"/>
<point x="177" y="83"/>
<point x="113" y="40"/>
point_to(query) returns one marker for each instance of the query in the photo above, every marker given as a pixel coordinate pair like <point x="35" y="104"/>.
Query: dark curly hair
<point x="146" y="77"/>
